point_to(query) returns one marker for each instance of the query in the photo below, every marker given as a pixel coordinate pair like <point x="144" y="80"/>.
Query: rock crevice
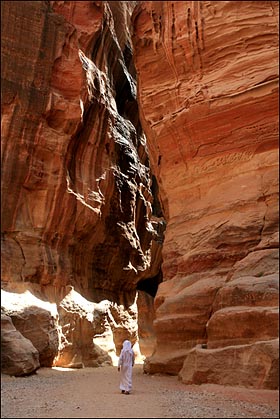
<point x="140" y="187"/>
<point x="77" y="207"/>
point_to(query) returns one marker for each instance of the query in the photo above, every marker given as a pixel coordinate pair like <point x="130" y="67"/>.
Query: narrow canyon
<point x="140" y="187"/>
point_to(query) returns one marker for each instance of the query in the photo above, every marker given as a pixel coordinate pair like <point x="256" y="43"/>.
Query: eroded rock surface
<point x="77" y="199"/>
<point x="36" y="320"/>
<point x="208" y="92"/>
<point x="253" y="365"/>
<point x="18" y="355"/>
<point x="80" y="207"/>
<point x="86" y="198"/>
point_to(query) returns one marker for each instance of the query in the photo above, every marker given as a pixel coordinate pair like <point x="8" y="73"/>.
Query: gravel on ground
<point x="94" y="393"/>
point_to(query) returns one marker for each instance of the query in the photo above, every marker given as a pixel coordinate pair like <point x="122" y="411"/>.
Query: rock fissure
<point x="140" y="192"/>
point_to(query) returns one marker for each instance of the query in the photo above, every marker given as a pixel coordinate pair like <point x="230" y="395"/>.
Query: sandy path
<point x="94" y="393"/>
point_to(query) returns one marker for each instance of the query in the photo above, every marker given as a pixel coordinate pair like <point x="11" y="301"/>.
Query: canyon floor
<point x="94" y="393"/>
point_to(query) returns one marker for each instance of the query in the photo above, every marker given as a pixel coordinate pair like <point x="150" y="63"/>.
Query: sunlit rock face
<point x="18" y="355"/>
<point x="208" y="99"/>
<point x="77" y="189"/>
<point x="36" y="320"/>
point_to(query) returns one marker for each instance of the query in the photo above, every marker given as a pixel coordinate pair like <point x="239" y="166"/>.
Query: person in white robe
<point x="125" y="364"/>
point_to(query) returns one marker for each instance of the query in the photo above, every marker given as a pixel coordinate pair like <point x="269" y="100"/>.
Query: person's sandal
<point x="126" y="392"/>
<point x="123" y="391"/>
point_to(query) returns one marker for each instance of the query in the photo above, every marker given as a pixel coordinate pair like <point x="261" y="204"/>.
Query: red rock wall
<point x="84" y="198"/>
<point x="208" y="97"/>
<point x="77" y="201"/>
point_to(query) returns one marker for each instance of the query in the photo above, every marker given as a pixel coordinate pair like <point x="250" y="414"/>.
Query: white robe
<point x="126" y="362"/>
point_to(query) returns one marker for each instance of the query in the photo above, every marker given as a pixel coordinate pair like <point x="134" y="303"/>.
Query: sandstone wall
<point x="208" y="97"/>
<point x="85" y="197"/>
<point x="77" y="200"/>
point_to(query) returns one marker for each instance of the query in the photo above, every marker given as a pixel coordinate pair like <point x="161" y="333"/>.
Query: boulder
<point x="36" y="320"/>
<point x="18" y="355"/>
<point x="252" y="366"/>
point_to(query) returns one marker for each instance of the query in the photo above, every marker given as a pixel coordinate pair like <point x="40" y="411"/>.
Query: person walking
<point x="125" y="364"/>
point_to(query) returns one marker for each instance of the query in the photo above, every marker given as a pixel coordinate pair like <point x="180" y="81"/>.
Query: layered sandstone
<point x="85" y="197"/>
<point x="77" y="199"/>
<point x="208" y="98"/>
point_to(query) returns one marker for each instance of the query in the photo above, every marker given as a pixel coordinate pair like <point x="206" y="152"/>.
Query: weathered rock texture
<point x="77" y="190"/>
<point x="146" y="317"/>
<point x="85" y="198"/>
<point x="18" y="355"/>
<point x="255" y="365"/>
<point x="208" y="98"/>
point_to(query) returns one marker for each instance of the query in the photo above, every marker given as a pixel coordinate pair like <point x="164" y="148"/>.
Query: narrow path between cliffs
<point x="94" y="393"/>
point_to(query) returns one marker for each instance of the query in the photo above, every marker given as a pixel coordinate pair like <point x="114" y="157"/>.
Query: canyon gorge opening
<point x="140" y="187"/>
